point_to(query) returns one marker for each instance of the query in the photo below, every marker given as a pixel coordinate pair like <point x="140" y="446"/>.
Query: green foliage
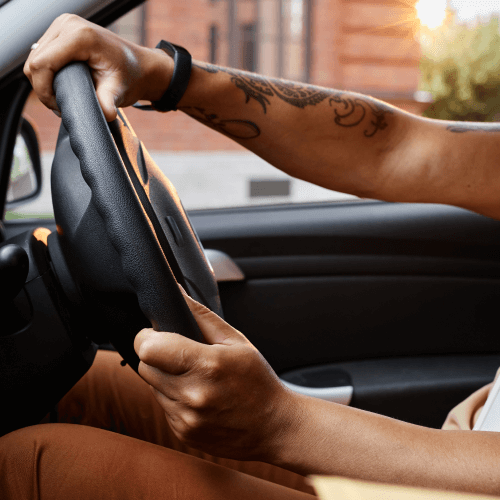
<point x="460" y="67"/>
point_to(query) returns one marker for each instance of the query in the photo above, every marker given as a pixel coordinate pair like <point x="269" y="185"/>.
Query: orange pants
<point x="79" y="458"/>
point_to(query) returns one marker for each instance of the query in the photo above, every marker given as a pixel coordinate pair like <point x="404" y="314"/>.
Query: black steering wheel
<point x="124" y="241"/>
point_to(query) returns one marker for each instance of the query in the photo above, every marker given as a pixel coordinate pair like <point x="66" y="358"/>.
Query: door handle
<point x="223" y="266"/>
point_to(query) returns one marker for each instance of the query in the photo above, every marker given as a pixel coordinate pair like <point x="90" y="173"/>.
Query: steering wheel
<point x="124" y="241"/>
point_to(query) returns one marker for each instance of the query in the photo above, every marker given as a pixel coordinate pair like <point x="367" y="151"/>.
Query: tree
<point x="460" y="67"/>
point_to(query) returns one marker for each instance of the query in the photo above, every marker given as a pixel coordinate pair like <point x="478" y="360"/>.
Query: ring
<point x="34" y="46"/>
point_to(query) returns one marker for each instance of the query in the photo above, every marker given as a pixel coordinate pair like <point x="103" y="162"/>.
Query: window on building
<point x="271" y="37"/>
<point x="213" y="43"/>
<point x="284" y="39"/>
<point x="249" y="47"/>
<point x="294" y="40"/>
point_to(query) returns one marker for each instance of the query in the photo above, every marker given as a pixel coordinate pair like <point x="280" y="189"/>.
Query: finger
<point x="53" y="31"/>
<point x="182" y="420"/>
<point x="214" y="328"/>
<point x="48" y="59"/>
<point x="169" y="352"/>
<point x="171" y="409"/>
<point x="39" y="83"/>
<point x="165" y="383"/>
<point x="110" y="95"/>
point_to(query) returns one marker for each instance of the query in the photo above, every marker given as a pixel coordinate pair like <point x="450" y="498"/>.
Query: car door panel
<point x="300" y="321"/>
<point x="402" y="297"/>
<point x="417" y="389"/>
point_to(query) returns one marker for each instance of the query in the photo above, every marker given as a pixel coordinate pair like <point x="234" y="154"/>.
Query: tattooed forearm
<point x="484" y="127"/>
<point x="351" y="111"/>
<point x="237" y="129"/>
<point x="261" y="88"/>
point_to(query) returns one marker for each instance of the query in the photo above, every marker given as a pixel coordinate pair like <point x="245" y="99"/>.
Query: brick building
<point x="369" y="46"/>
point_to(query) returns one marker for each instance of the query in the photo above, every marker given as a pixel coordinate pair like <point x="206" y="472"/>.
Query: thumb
<point x="108" y="98"/>
<point x="214" y="329"/>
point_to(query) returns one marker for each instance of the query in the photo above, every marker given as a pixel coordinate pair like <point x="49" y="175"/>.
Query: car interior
<point x="386" y="307"/>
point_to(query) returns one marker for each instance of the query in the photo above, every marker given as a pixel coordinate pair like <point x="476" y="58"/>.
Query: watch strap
<point x="179" y="81"/>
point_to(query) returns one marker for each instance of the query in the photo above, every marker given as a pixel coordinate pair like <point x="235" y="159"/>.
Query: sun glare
<point x="431" y="13"/>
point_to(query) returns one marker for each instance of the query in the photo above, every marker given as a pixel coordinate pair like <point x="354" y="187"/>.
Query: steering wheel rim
<point x="139" y="209"/>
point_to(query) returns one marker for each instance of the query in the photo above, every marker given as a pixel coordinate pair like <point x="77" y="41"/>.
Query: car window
<point x="396" y="51"/>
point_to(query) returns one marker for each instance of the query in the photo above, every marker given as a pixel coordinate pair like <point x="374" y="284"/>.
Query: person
<point x="221" y="399"/>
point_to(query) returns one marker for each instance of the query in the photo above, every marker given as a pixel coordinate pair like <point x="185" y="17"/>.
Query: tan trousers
<point x="139" y="459"/>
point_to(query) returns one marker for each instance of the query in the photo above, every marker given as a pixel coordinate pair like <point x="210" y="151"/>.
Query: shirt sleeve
<point x="464" y="416"/>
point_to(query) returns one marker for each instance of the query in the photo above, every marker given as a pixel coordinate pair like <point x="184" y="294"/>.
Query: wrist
<point x="159" y="67"/>
<point x="287" y="429"/>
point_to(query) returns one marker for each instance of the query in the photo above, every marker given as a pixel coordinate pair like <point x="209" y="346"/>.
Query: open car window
<point x="419" y="57"/>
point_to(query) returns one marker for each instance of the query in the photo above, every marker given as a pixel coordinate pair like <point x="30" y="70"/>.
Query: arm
<point x="348" y="442"/>
<point x="339" y="140"/>
<point x="223" y="398"/>
<point x="353" y="143"/>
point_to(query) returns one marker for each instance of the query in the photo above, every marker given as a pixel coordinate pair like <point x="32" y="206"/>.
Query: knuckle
<point x="192" y="422"/>
<point x="62" y="19"/>
<point x="146" y="351"/>
<point x="198" y="399"/>
<point x="68" y="17"/>
<point x="36" y="63"/>
<point x="26" y="69"/>
<point x="86" y="33"/>
<point x="215" y="364"/>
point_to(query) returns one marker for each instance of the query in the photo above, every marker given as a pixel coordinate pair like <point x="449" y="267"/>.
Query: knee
<point x="21" y="453"/>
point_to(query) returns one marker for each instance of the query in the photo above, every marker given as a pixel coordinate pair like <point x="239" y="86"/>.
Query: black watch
<point x="180" y="78"/>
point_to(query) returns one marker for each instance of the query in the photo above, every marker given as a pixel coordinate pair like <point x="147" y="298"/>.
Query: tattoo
<point x="237" y="129"/>
<point x="298" y="94"/>
<point x="209" y="68"/>
<point x="350" y="110"/>
<point x="354" y="110"/>
<point x="460" y="129"/>
<point x="261" y="89"/>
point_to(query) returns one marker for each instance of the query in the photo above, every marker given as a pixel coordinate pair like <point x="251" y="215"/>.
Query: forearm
<point x="326" y="438"/>
<point x="334" y="139"/>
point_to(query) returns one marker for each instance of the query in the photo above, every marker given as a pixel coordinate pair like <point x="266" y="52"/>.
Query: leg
<point x="115" y="398"/>
<point x="71" y="462"/>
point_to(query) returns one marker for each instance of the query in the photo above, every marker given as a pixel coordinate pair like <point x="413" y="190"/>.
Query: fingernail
<point x="57" y="113"/>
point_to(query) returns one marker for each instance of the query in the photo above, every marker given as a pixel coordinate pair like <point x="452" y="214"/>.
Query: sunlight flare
<point x="431" y="13"/>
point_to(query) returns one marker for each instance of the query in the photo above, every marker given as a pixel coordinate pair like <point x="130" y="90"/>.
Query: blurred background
<point x="437" y="58"/>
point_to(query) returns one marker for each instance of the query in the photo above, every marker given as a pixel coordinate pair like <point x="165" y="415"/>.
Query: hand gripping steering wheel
<point x="124" y="240"/>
